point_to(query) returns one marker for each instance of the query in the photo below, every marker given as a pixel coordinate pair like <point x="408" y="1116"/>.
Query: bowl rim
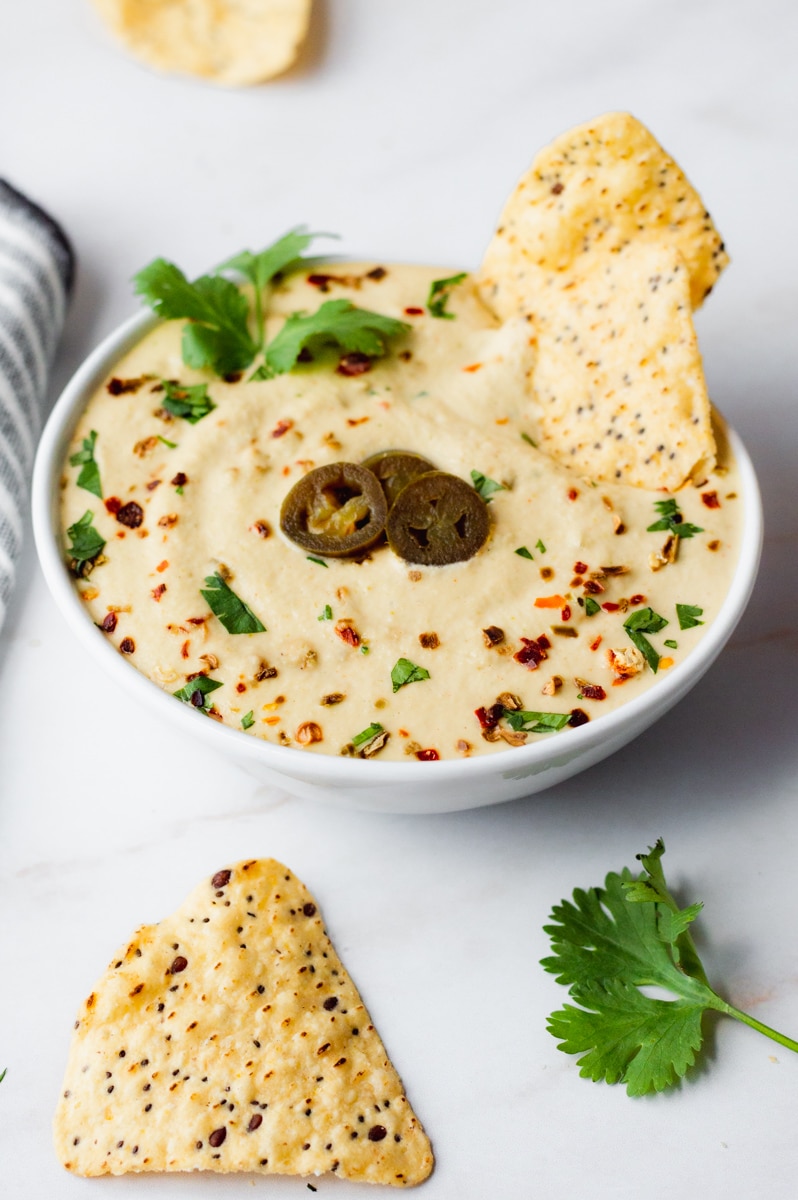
<point x="330" y="770"/>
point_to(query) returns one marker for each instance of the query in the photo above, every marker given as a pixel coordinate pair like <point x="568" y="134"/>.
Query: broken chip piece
<point x="229" y="1037"/>
<point x="222" y="41"/>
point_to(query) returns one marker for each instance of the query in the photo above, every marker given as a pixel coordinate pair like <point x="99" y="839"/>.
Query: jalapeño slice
<point x="437" y="519"/>
<point x="395" y="469"/>
<point x="335" y="510"/>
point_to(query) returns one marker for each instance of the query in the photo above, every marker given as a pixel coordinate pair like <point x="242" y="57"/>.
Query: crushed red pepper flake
<point x="108" y="624"/>
<point x="710" y="499"/>
<point x="355" y="363"/>
<point x="158" y="591"/>
<point x="127" y="645"/>
<point x="347" y="633"/>
<point x="113" y="505"/>
<point x="427" y="756"/>
<point x="282" y="427"/>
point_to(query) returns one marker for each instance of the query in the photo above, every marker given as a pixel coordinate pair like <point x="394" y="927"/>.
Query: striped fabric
<point x="36" y="269"/>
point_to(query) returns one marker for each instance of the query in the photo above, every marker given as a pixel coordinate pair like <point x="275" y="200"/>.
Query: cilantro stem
<point x="773" y="1034"/>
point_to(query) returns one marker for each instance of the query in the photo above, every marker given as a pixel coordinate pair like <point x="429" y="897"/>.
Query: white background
<point x="403" y="128"/>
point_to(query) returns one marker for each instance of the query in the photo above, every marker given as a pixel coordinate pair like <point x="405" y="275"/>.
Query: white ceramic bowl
<point x="407" y="787"/>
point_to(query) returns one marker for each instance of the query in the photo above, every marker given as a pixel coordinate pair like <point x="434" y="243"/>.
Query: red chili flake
<point x="347" y="634"/>
<point x="320" y="281"/>
<point x="158" y="591"/>
<point x="118" y="387"/>
<point x="532" y="653"/>
<point x="578" y="717"/>
<point x="404" y="733"/>
<point x="565" y="615"/>
<point x="489" y="717"/>
<point x="127" y="645"/>
<point x="473" y="367"/>
<point x="610" y="606"/>
<point x="414" y="312"/>
<point x="572" y="494"/>
<point x="153" y="484"/>
<point x="113" y="505"/>
<point x="580" y="568"/>
<point x="557" y="188"/>
<point x="594" y="645"/>
<point x="180" y="480"/>
<point x="593" y="587"/>
<point x="357" y="420"/>
<point x="162" y="565"/>
<point x="241" y="687"/>
<point x="638" y="598"/>
<point x="593" y="691"/>
<point x="355" y="363"/>
<point x="577" y="581"/>
<point x="427" y="755"/>
<point x="710" y="499"/>
<point x="184" y="649"/>
<point x="109" y="623"/>
<point x="282" y="427"/>
<point x="197" y="620"/>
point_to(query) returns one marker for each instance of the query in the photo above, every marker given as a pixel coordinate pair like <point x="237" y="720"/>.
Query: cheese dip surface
<point x="562" y="611"/>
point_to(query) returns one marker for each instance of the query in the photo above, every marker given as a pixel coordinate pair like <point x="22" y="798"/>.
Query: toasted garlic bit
<point x="210" y="660"/>
<point x="668" y="553"/>
<point x="145" y="447"/>
<point x="308" y="732"/>
<point x="553" y="685"/>
<point x="168" y="520"/>
<point x="374" y="745"/>
<point x="462" y="746"/>
<point x="626" y="662"/>
<point x="513" y="737"/>
<point x="413" y="747"/>
<point x="262" y="528"/>
<point x="165" y="674"/>
<point x="511" y="701"/>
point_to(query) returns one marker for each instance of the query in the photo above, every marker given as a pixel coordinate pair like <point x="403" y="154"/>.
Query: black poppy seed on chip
<point x="179" y="964"/>
<point x="255" y="1121"/>
<point x="217" y="1137"/>
<point x="221" y="879"/>
<point x="330" y="1003"/>
<point x="377" y="1133"/>
<point x="309" y="909"/>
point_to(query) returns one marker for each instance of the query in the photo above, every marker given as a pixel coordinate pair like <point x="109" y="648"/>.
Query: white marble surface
<point x="404" y="128"/>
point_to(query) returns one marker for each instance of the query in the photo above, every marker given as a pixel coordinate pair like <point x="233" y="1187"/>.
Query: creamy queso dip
<point x="567" y="562"/>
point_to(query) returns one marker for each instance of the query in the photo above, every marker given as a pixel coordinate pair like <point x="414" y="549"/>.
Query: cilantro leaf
<point x="196" y="692"/>
<point x="524" y="553"/>
<point x="89" y="477"/>
<point x="217" y="337"/>
<point x="608" y="943"/>
<point x="529" y="441"/>
<point x="367" y="734"/>
<point x="439" y="293"/>
<point x="326" y="613"/>
<point x="591" y="606"/>
<point x="319" y="561"/>
<point x="335" y="323"/>
<point x="671" y="519"/>
<point x="86" y="541"/>
<point x="404" y="672"/>
<point x="248" y="720"/>
<point x="641" y="622"/>
<point x="3" y="1074"/>
<point x="688" y="615"/>
<point x="235" y="615"/>
<point x="190" y="401"/>
<point x="485" y="486"/>
<point x="536" y="722"/>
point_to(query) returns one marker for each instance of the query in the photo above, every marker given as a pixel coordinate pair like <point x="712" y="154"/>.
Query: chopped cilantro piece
<point x="336" y="323"/>
<point x="189" y="401"/>
<point x="529" y="441"/>
<point x="202" y="685"/>
<point x="3" y="1074"/>
<point x="404" y="671"/>
<point x="319" y="561"/>
<point x="326" y="612"/>
<point x="485" y="486"/>
<point x="248" y="720"/>
<point x="367" y="734"/>
<point x="89" y="477"/>
<point x="524" y="553"/>
<point x="536" y="722"/>
<point x="669" y="642"/>
<point x="364" y="649"/>
<point x="171" y="445"/>
<point x="591" y="606"/>
<point x="608" y="943"/>
<point x="688" y="615"/>
<point x="86" y="541"/>
<point x="235" y="615"/>
<point x="439" y="293"/>
<point x="671" y="519"/>
<point x="644" y="621"/>
<point x="539" y="546"/>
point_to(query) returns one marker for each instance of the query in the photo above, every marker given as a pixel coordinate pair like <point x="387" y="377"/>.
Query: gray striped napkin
<point x="36" y="271"/>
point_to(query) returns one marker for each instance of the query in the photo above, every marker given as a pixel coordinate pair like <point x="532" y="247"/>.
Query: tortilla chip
<point x="592" y="191"/>
<point x="618" y="383"/>
<point x="229" y="1037"/>
<point x="231" y="42"/>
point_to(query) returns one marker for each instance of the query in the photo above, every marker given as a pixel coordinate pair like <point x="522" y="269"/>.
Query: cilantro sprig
<point x="608" y="943"/>
<point x="367" y="734"/>
<point x="336" y="323"/>
<point x="404" y="671"/>
<point x="89" y="476"/>
<point x="197" y="691"/>
<point x="87" y="545"/>
<point x="536" y="722"/>
<point x="688" y="615"/>
<point x="485" y="486"/>
<point x="671" y="519"/>
<point x="439" y="293"/>
<point x="235" y="615"/>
